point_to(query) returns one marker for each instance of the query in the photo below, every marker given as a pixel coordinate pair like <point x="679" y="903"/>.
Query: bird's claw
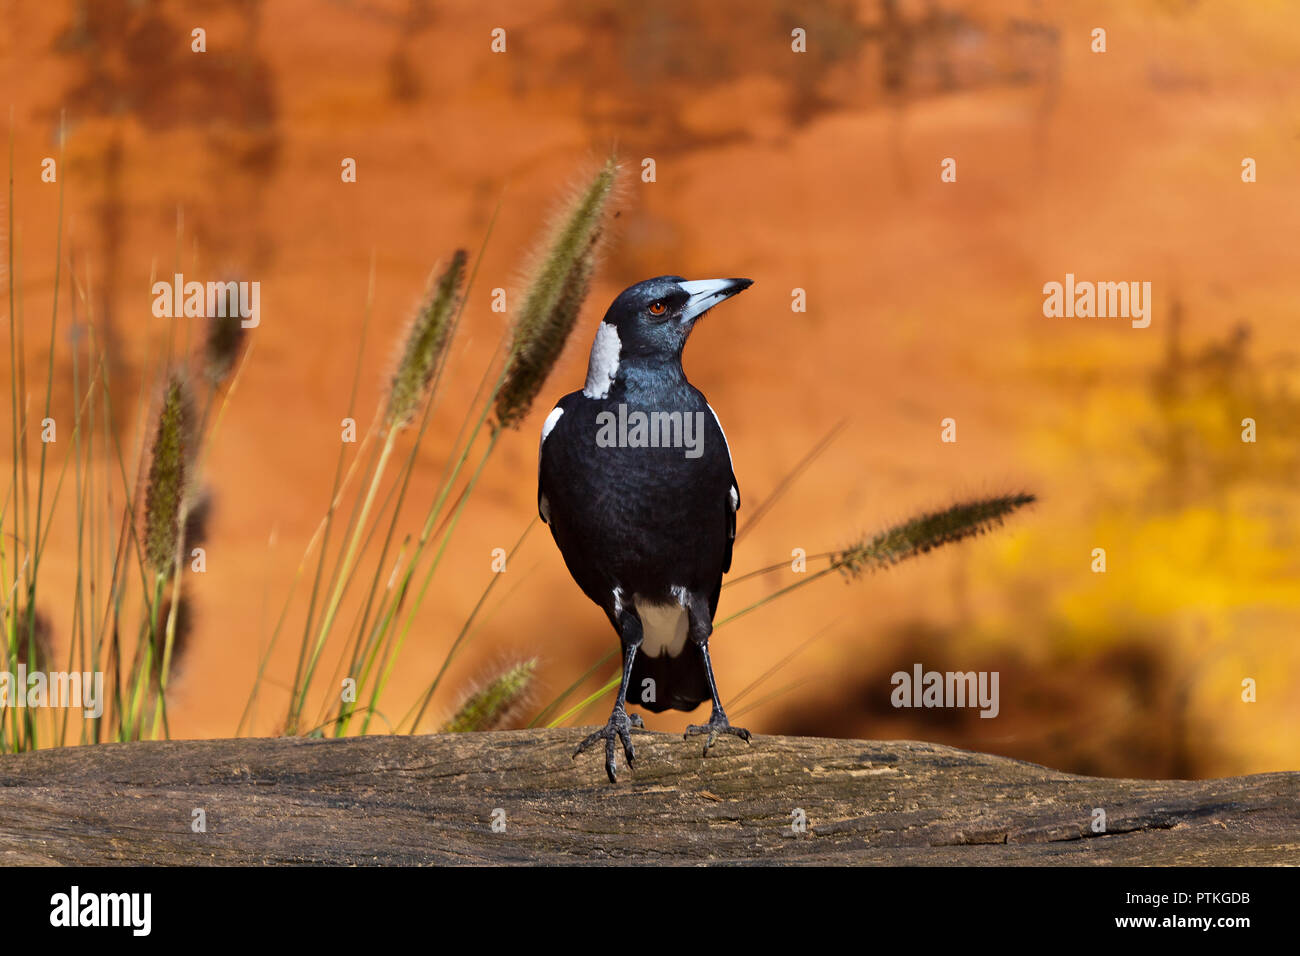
<point x="618" y="728"/>
<point x="717" y="725"/>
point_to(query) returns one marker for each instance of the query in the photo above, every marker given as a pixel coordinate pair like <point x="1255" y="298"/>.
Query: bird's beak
<point x="706" y="293"/>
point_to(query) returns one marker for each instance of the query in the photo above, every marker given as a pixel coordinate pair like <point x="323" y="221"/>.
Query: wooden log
<point x="434" y="799"/>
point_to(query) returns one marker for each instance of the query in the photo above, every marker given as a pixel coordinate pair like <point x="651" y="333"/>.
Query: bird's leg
<point x="701" y="628"/>
<point x="620" y="723"/>
<point x="718" y="723"/>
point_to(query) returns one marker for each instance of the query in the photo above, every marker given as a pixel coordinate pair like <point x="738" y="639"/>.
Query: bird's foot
<point x="717" y="725"/>
<point x="618" y="728"/>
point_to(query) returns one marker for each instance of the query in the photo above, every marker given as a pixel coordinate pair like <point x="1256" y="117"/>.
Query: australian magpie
<point x="635" y="481"/>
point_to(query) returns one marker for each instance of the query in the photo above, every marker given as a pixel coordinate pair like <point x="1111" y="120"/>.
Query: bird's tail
<point x="680" y="683"/>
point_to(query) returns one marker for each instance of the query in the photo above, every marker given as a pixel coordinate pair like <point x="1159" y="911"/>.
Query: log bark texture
<point x="434" y="799"/>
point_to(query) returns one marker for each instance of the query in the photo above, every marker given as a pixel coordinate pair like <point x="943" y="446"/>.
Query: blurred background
<point x="818" y="171"/>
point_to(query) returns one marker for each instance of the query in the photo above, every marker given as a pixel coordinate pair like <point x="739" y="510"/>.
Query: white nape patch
<point x="603" y="365"/>
<point x="735" y="498"/>
<point x="618" y="601"/>
<point x="663" y="626"/>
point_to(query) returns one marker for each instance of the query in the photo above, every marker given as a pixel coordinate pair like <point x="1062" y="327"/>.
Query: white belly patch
<point x="663" y="628"/>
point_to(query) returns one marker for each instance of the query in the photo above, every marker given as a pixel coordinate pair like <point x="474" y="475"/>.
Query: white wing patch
<point x="603" y="365"/>
<point x="544" y="506"/>
<point x="547" y="425"/>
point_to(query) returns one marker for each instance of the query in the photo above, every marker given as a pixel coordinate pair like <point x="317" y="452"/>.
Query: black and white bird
<point x="635" y="481"/>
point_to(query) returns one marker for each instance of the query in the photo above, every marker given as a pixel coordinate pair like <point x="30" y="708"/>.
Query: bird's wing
<point x="733" y="505"/>
<point x="548" y="426"/>
<point x="733" y="497"/>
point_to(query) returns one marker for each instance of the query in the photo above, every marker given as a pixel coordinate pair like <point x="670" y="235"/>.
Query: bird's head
<point x="655" y="316"/>
<point x="651" y="320"/>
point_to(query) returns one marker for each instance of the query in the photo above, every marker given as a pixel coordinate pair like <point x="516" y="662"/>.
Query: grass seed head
<point x="926" y="532"/>
<point x="222" y="344"/>
<point x="425" y="341"/>
<point x="495" y="703"/>
<point x="554" y="297"/>
<point x="168" y="463"/>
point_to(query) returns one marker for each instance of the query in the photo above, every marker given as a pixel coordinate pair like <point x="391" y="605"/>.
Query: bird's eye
<point x="658" y="308"/>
